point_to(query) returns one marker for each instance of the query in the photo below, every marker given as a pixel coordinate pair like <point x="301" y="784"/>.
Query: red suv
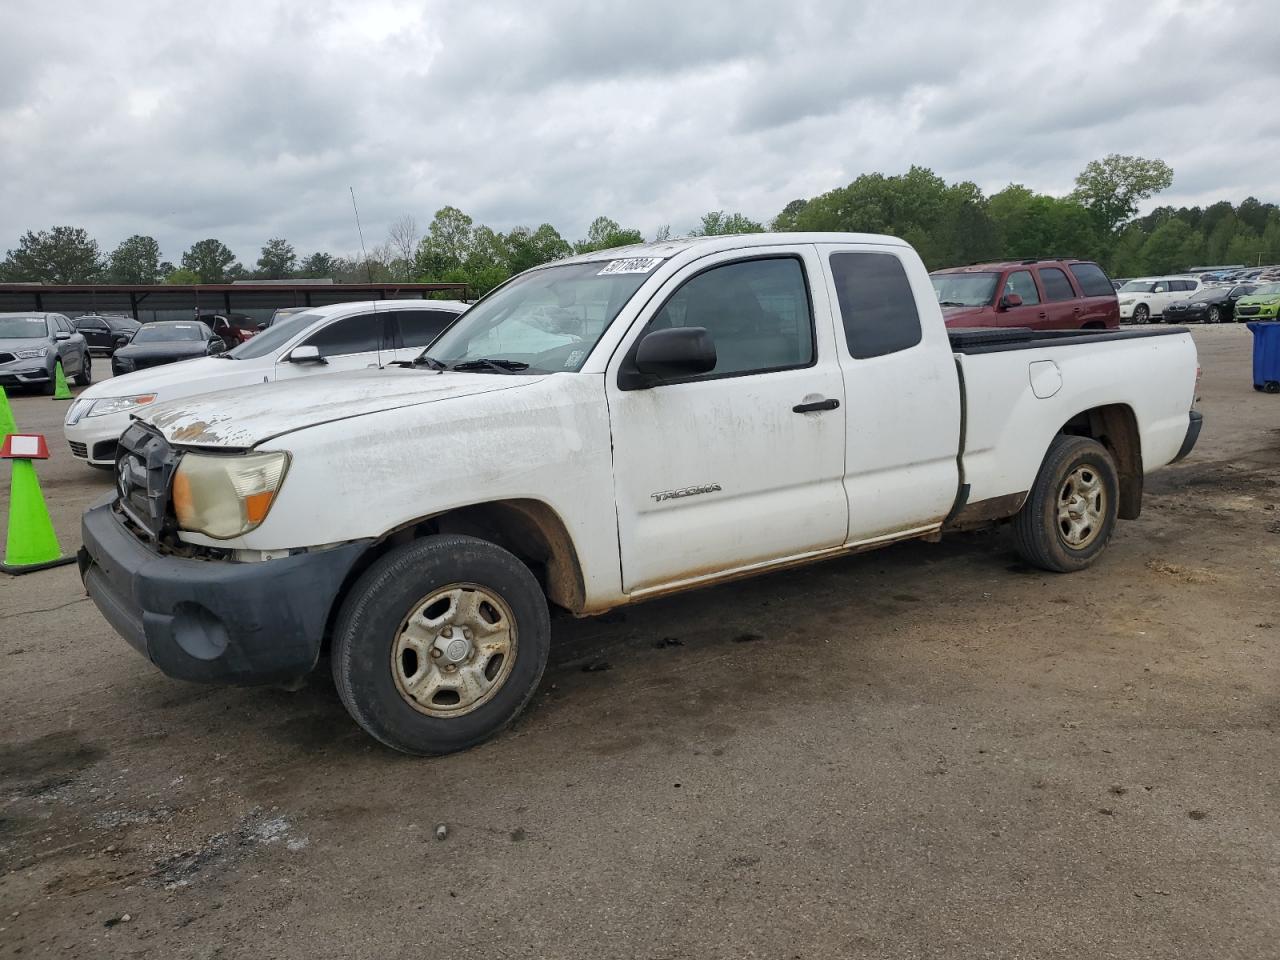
<point x="1041" y="294"/>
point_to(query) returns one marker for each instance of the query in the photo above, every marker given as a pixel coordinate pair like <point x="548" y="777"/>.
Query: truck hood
<point x="245" y="417"/>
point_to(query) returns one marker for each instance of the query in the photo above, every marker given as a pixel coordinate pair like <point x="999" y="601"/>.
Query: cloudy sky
<point x="244" y="120"/>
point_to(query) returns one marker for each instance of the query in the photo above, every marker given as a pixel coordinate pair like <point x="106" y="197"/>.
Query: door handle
<point x="815" y="406"/>
<point x="1043" y="315"/>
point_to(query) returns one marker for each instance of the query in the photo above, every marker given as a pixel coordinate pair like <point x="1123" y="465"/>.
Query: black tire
<point x="1038" y="532"/>
<point x="85" y="377"/>
<point x="1271" y="386"/>
<point x="50" y="387"/>
<point x="1141" y="313"/>
<point x="1215" y="314"/>
<point x="376" y="609"/>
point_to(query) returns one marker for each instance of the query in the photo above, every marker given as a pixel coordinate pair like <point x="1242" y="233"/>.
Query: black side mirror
<point x="674" y="353"/>
<point x="216" y="345"/>
<point x="1010" y="300"/>
<point x="121" y="340"/>
<point x="262" y="326"/>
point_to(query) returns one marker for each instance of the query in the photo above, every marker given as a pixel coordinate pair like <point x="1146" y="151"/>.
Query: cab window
<point x="363" y="333"/>
<point x="1056" y="284"/>
<point x="1024" y="285"/>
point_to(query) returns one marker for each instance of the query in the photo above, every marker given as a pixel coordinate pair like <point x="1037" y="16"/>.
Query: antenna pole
<point x="368" y="267"/>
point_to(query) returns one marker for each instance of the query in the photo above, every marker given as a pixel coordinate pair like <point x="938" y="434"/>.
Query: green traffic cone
<point x="31" y="544"/>
<point x="60" y="389"/>
<point x="7" y="424"/>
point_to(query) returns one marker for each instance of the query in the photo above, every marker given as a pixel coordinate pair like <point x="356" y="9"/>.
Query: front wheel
<point x="1070" y="513"/>
<point x="440" y="644"/>
<point x="1215" y="314"/>
<point x="85" y="377"/>
<point x="50" y="386"/>
<point x="1141" y="313"/>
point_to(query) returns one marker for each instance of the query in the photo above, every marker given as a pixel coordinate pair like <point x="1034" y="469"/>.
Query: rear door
<point x="1061" y="302"/>
<point x="418" y="328"/>
<point x="743" y="465"/>
<point x="902" y="391"/>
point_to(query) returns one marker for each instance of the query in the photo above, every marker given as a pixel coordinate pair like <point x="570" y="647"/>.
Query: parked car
<point x="340" y="337"/>
<point x="281" y="313"/>
<point x="101" y="331"/>
<point x="233" y="328"/>
<point x="34" y="345"/>
<point x="1262" y="304"/>
<point x="1146" y="297"/>
<point x="612" y="427"/>
<point x="1212" y="304"/>
<point x="1039" y="294"/>
<point x="157" y="344"/>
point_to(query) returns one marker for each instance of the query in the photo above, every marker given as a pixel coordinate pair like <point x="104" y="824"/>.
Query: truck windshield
<point x="549" y="319"/>
<point x="964" y="289"/>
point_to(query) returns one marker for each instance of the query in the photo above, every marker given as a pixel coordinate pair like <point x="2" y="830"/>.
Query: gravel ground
<point x="929" y="751"/>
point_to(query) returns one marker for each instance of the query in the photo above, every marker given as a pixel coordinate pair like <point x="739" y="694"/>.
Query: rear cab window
<point x="1093" y="282"/>
<point x="877" y="306"/>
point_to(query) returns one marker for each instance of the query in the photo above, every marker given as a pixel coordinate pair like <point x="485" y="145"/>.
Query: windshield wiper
<point x="483" y="363"/>
<point x="224" y="356"/>
<point x="430" y="362"/>
<point x="950" y="303"/>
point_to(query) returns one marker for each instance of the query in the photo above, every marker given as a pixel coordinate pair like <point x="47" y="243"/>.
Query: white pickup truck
<point x="601" y="430"/>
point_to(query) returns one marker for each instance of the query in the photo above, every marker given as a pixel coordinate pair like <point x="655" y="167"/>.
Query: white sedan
<point x="344" y="336"/>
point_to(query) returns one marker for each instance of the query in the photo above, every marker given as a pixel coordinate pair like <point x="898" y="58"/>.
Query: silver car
<point x="34" y="345"/>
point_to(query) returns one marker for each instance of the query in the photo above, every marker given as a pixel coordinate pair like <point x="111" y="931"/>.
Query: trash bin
<point x="1266" y="355"/>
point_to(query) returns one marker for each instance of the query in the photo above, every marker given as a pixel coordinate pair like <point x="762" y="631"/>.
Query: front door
<point x="350" y="343"/>
<point x="1031" y="313"/>
<point x="744" y="465"/>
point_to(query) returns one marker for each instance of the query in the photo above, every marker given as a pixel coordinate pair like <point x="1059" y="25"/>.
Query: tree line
<point x="948" y="223"/>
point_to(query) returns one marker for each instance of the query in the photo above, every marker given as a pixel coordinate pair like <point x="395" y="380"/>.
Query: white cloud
<point x="247" y="120"/>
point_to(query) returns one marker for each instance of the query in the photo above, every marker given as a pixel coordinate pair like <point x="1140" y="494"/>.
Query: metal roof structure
<point x="187" y="299"/>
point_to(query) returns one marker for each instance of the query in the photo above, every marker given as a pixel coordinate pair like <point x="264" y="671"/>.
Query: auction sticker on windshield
<point x="630" y="265"/>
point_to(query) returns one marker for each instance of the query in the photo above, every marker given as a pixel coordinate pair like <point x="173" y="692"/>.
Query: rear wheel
<point x="85" y="377"/>
<point x="1070" y="514"/>
<point x="1141" y="313"/>
<point x="441" y="644"/>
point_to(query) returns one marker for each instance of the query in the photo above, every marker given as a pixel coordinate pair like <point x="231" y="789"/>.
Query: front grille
<point x="81" y="450"/>
<point x="144" y="471"/>
<point x="7" y="357"/>
<point x="1248" y="311"/>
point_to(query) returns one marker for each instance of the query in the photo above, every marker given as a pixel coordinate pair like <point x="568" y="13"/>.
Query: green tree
<point x="786" y="220"/>
<point x="56" y="255"/>
<point x="718" y="223"/>
<point x="318" y="266"/>
<point x="278" y="260"/>
<point x="182" y="276"/>
<point x="136" y="260"/>
<point x="210" y="260"/>
<point x="1111" y="188"/>
<point x="1166" y="249"/>
<point x="529" y="248"/>
<point x="604" y="234"/>
<point x="446" y="246"/>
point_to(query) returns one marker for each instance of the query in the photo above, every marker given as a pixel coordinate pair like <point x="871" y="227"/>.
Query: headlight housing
<point x="226" y="496"/>
<point x="1125" y="301"/>
<point x="109" y="405"/>
<point x="32" y="354"/>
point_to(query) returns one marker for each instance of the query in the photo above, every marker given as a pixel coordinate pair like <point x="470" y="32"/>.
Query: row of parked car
<point x="1061" y="294"/>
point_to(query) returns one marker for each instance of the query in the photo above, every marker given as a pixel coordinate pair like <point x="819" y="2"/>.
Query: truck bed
<point x="1001" y="339"/>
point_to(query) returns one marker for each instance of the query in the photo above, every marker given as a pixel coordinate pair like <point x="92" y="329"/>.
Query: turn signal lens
<point x="224" y="497"/>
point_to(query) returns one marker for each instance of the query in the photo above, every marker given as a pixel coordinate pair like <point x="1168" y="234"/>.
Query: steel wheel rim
<point x="454" y="650"/>
<point x="1082" y="507"/>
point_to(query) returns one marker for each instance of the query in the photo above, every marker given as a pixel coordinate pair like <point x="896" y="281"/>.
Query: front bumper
<point x="1258" y="311"/>
<point x="95" y="438"/>
<point x="1193" y="434"/>
<point x="23" y="373"/>
<point x="212" y="621"/>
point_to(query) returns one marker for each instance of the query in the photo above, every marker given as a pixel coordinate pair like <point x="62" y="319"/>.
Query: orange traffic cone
<point x="31" y="543"/>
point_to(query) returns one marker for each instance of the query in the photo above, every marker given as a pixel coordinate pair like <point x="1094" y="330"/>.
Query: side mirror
<point x="677" y="352"/>
<point x="62" y="335"/>
<point x="306" y="354"/>
<point x="1010" y="300"/>
<point x="216" y="345"/>
<point x="262" y="326"/>
<point x="121" y="340"/>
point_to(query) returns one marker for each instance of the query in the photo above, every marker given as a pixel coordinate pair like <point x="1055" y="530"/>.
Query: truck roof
<point x="990" y="265"/>
<point x="731" y="241"/>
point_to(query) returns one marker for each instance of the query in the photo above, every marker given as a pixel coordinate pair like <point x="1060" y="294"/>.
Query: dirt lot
<point x="930" y="751"/>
